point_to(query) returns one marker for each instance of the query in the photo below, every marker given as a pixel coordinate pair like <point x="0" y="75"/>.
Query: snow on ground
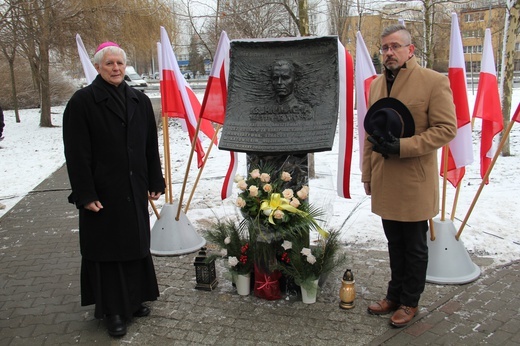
<point x="29" y="154"/>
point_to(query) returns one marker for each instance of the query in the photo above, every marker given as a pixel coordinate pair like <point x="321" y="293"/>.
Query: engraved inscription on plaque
<point x="282" y="96"/>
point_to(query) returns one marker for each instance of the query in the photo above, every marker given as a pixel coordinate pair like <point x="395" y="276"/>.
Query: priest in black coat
<point x="113" y="162"/>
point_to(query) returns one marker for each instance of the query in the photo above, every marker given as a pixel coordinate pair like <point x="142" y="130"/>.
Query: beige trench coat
<point x="406" y="188"/>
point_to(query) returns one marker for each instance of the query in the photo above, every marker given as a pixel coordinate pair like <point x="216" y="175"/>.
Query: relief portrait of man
<point x="287" y="107"/>
<point x="279" y="93"/>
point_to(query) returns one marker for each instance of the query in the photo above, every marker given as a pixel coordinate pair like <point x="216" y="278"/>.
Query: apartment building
<point x="474" y="18"/>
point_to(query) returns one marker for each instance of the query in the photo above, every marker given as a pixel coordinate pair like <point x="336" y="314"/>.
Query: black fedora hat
<point x="389" y="115"/>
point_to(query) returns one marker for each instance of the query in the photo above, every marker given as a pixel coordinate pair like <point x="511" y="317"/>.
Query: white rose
<point x="242" y="185"/>
<point x="232" y="261"/>
<point x="238" y="177"/>
<point x="265" y="178"/>
<point x="240" y="202"/>
<point x="295" y="202"/>
<point x="286" y="176"/>
<point x="268" y="188"/>
<point x="311" y="259"/>
<point x="287" y="245"/>
<point x="255" y="173"/>
<point x="303" y="193"/>
<point x="223" y="252"/>
<point x="306" y="251"/>
<point x="278" y="214"/>
<point x="288" y="193"/>
<point x="253" y="191"/>
<point x="227" y="240"/>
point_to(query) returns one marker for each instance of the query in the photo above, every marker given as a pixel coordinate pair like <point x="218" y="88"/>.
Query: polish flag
<point x="214" y="104"/>
<point x="460" y="153"/>
<point x="516" y="116"/>
<point x="346" y="120"/>
<point x="215" y="97"/>
<point x="365" y="74"/>
<point x="487" y="105"/>
<point x="178" y="99"/>
<point x="88" y="67"/>
<point x="227" y="186"/>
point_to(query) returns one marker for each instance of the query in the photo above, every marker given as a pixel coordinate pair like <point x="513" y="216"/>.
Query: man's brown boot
<point x="403" y="316"/>
<point x="382" y="307"/>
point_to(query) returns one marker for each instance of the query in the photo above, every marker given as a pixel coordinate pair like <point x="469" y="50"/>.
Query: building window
<point x="517" y="47"/>
<point x="473" y="66"/>
<point x="476" y="33"/>
<point x="474" y="17"/>
<point x="472" y="49"/>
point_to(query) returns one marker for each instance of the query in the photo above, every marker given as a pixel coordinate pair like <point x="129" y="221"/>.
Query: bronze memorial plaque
<point x="282" y="96"/>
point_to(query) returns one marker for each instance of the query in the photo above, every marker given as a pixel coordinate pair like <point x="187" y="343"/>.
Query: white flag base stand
<point x="171" y="237"/>
<point x="449" y="262"/>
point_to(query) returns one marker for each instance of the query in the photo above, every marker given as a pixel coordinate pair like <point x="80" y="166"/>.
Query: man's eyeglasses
<point x="394" y="47"/>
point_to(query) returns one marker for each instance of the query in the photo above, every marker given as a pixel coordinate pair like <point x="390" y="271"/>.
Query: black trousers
<point x="408" y="251"/>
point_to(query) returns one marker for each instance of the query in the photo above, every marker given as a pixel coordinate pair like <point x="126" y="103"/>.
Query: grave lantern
<point x="206" y="274"/>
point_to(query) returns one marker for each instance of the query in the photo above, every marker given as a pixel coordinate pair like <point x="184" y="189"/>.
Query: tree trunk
<point x="45" y="95"/>
<point x="45" y="115"/>
<point x="512" y="22"/>
<point x="13" y="90"/>
<point x="303" y="15"/>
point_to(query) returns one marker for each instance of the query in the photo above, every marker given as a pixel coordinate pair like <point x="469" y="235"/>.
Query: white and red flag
<point x="516" y="116"/>
<point x="214" y="103"/>
<point x="178" y="99"/>
<point x="88" y="67"/>
<point x="460" y="153"/>
<point x="487" y="105"/>
<point x="215" y="97"/>
<point x="346" y="120"/>
<point x="365" y="74"/>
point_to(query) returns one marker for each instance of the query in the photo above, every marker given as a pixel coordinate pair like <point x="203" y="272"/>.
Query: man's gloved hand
<point x="383" y="146"/>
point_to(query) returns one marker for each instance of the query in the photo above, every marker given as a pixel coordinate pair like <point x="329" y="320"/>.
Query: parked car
<point x="133" y="79"/>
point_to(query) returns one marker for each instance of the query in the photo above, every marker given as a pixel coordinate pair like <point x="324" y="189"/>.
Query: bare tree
<point x="340" y="23"/>
<point x="8" y="44"/>
<point x="512" y="31"/>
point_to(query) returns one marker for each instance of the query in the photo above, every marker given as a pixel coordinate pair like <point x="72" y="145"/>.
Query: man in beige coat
<point x="402" y="174"/>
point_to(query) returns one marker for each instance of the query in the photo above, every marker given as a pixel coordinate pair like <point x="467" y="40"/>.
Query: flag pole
<point x="167" y="161"/>
<point x="193" y="144"/>
<point x="455" y="200"/>
<point x="444" y="180"/>
<point x="202" y="168"/>
<point x="485" y="178"/>
<point x="154" y="208"/>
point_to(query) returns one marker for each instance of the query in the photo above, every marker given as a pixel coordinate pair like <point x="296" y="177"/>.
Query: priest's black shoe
<point x="116" y="326"/>
<point x="142" y="311"/>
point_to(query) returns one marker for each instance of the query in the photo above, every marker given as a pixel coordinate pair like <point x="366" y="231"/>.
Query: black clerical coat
<point x="112" y="157"/>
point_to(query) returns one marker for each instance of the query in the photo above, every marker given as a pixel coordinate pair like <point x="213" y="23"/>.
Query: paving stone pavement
<point x="40" y="297"/>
